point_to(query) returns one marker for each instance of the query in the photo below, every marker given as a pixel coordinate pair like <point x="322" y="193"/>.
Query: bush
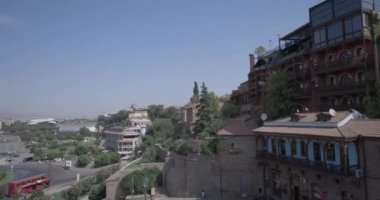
<point x="80" y="150"/>
<point x="104" y="159"/>
<point x="83" y="160"/>
<point x="138" y="180"/>
<point x="98" y="192"/>
<point x="72" y="193"/>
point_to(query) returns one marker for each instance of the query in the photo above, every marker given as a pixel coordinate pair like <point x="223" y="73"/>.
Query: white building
<point x="123" y="140"/>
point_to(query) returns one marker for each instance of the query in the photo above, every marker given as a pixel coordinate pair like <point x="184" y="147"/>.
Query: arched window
<point x="303" y="147"/>
<point x="359" y="51"/>
<point x="345" y="79"/>
<point x="330" y="58"/>
<point x="293" y="147"/>
<point x="346" y="101"/>
<point x="345" y="56"/>
<point x="331" y="80"/>
<point x="333" y="101"/>
<point x="360" y="99"/>
<point x="282" y="147"/>
<point x="360" y="77"/>
<point x="330" y="151"/>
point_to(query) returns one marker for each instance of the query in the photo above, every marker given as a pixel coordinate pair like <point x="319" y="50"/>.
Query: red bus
<point x="27" y="185"/>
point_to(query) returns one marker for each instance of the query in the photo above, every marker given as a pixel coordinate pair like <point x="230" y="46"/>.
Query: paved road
<point x="57" y="174"/>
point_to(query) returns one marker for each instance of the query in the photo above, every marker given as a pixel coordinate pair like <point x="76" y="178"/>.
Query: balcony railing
<point x="315" y="165"/>
<point x="346" y="88"/>
<point x="353" y="62"/>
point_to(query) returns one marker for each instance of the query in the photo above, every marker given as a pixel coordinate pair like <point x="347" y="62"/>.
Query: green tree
<point x="207" y="112"/>
<point x="39" y="154"/>
<point x="72" y="193"/>
<point x="83" y="160"/>
<point x="230" y="111"/>
<point x="372" y="102"/>
<point x="138" y="178"/>
<point x="162" y="128"/>
<point x="3" y="191"/>
<point x="280" y="96"/>
<point x="81" y="149"/>
<point x="98" y="192"/>
<point x="156" y="111"/>
<point x="259" y="51"/>
<point x="195" y="89"/>
<point x="38" y="195"/>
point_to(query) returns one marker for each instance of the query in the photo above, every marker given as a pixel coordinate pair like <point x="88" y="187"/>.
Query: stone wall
<point x="228" y="175"/>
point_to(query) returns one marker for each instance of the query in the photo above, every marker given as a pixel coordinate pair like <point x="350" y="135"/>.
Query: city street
<point x="58" y="175"/>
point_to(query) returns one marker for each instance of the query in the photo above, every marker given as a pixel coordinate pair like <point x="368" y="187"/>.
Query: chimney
<point x="252" y="61"/>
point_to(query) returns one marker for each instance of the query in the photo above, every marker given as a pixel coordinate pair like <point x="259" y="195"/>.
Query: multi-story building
<point x="188" y="115"/>
<point x="332" y="59"/>
<point x="137" y="113"/>
<point x="124" y="140"/>
<point x="241" y="98"/>
<point x="343" y="55"/>
<point x="319" y="156"/>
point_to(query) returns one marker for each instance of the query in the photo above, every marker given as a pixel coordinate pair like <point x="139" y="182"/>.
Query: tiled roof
<point x="366" y="128"/>
<point x="312" y="116"/>
<point x="237" y="127"/>
<point x="325" y="132"/>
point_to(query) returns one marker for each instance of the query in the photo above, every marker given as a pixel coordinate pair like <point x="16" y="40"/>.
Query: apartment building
<point x="124" y="140"/>
<point x="332" y="59"/>
<point x="320" y="156"/>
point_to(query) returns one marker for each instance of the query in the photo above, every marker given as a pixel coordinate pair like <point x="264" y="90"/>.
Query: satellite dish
<point x="264" y="116"/>
<point x="332" y="112"/>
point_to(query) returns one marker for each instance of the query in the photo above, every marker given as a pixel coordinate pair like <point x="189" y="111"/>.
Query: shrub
<point x="83" y="160"/>
<point x="98" y="192"/>
<point x="80" y="150"/>
<point x="138" y="180"/>
<point x="106" y="159"/>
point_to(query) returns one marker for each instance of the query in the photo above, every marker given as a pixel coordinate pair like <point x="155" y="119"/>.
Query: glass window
<point x="353" y="26"/>
<point x="365" y="20"/>
<point x="282" y="147"/>
<point x="317" y="152"/>
<point x="294" y="147"/>
<point x="303" y="148"/>
<point x="320" y="38"/>
<point x="335" y="33"/>
<point x="330" y="150"/>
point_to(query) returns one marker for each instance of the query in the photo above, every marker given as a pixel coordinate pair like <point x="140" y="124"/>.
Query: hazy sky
<point x="73" y="58"/>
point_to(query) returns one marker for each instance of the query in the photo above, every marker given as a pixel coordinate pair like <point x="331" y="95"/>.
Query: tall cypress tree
<point x="195" y="89"/>
<point x="207" y="112"/>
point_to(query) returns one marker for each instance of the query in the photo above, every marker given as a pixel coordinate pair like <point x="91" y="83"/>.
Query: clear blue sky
<point x="78" y="58"/>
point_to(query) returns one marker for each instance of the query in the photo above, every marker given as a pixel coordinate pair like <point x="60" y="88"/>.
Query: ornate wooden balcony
<point x="304" y="163"/>
<point x="353" y="62"/>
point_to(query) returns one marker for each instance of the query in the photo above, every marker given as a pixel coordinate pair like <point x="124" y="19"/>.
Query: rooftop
<point x="237" y="127"/>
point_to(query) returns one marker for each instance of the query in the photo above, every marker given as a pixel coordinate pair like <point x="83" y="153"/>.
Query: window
<point x="353" y="27"/>
<point x="360" y="99"/>
<point x="359" y="51"/>
<point x="335" y="33"/>
<point x="360" y="77"/>
<point x="317" y="153"/>
<point x="346" y="101"/>
<point x="274" y="149"/>
<point x="331" y="81"/>
<point x="345" y="56"/>
<point x="320" y="38"/>
<point x="333" y="101"/>
<point x="330" y="150"/>
<point x="345" y="79"/>
<point x="294" y="148"/>
<point x="282" y="147"/>
<point x="303" y="148"/>
<point x="330" y="58"/>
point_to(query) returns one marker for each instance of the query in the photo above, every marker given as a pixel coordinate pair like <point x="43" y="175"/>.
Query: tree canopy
<point x="280" y="95"/>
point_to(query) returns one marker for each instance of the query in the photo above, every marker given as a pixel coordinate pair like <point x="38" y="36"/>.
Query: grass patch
<point x="135" y="165"/>
<point x="5" y="177"/>
<point x="57" y="196"/>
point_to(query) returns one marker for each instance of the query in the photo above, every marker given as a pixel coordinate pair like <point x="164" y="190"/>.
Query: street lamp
<point x="145" y="182"/>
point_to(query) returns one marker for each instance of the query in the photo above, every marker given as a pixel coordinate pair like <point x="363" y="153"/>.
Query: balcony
<point x="354" y="62"/>
<point x="340" y="89"/>
<point x="302" y="73"/>
<point x="308" y="164"/>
